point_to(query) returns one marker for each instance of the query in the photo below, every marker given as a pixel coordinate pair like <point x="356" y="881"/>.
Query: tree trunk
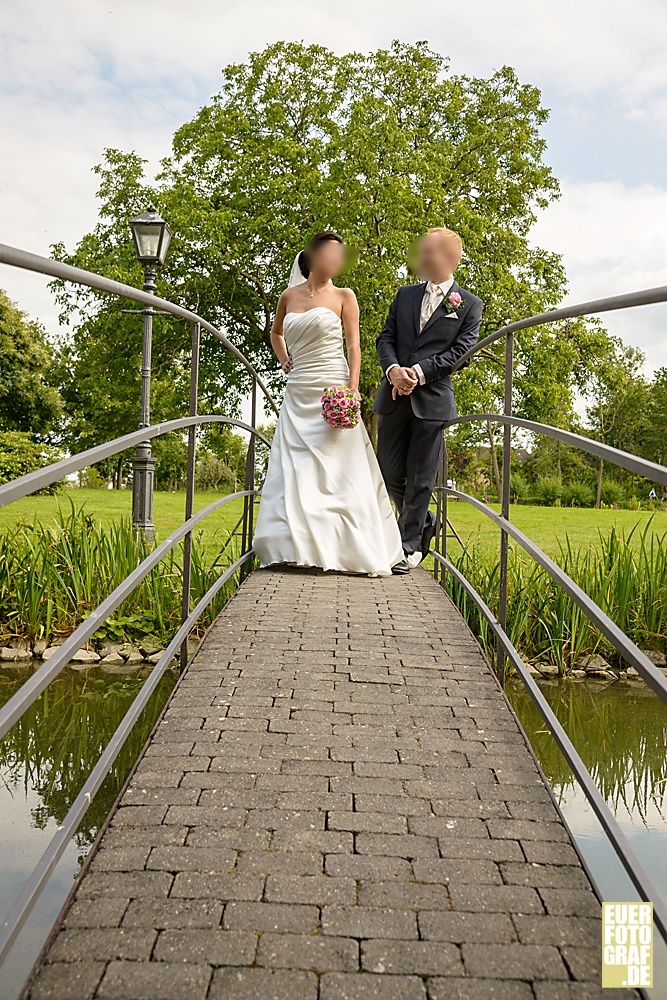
<point x="494" y="457"/>
<point x="560" y="468"/>
<point x="119" y="473"/>
<point x="598" y="495"/>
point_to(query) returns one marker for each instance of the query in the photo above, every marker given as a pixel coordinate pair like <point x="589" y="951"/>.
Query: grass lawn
<point x="548" y="526"/>
<point x="113" y="505"/>
<point x="544" y="525"/>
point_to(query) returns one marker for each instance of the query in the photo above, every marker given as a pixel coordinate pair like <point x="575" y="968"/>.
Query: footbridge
<point x="338" y="800"/>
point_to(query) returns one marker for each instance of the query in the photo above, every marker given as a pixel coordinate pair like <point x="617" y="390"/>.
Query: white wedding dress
<point x="324" y="502"/>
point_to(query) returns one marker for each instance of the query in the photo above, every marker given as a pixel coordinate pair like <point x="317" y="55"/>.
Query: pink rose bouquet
<point x="341" y="407"/>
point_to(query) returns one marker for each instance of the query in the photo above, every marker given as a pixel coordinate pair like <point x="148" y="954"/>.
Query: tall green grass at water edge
<point x="53" y="575"/>
<point x="628" y="581"/>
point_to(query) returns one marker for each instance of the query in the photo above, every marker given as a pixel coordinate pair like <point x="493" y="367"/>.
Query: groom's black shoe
<point x="429" y="532"/>
<point x="401" y="568"/>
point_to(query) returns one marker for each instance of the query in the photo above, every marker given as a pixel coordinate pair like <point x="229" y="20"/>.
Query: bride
<point x="324" y="502"/>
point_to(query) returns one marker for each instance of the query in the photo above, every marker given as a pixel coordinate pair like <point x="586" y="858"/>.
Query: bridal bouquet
<point x="341" y="407"/>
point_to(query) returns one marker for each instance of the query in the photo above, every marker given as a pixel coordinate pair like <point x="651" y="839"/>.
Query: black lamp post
<point x="152" y="236"/>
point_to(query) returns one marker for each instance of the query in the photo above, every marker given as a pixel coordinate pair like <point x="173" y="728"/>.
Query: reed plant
<point x="53" y="574"/>
<point x="624" y="572"/>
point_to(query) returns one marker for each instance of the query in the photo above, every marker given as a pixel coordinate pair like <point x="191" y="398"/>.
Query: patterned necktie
<point x="435" y="297"/>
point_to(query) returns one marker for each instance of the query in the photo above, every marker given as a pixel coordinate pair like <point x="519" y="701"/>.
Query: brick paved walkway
<point x="338" y="805"/>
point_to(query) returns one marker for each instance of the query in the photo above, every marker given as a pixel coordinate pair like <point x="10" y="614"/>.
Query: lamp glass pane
<point x="148" y="240"/>
<point x="166" y="240"/>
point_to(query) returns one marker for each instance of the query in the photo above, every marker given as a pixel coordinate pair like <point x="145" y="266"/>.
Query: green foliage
<point x="549" y="489"/>
<point x="212" y="473"/>
<point x="577" y="495"/>
<point x="91" y="479"/>
<point x="21" y="454"/>
<point x="612" y="493"/>
<point x="29" y="401"/>
<point x="519" y="487"/>
<point x="53" y="575"/>
<point x="171" y="455"/>
<point x="625" y="574"/>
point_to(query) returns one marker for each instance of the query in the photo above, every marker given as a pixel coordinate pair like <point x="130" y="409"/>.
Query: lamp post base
<point x="142" y="494"/>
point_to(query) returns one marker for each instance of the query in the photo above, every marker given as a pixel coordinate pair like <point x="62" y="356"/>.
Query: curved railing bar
<point x="616" y="636"/>
<point x="651" y="470"/>
<point x="55" y="269"/>
<point x="645" y="297"/>
<point x="620" y="843"/>
<point x="31" y="689"/>
<point x="33" y="887"/>
<point x="33" y="481"/>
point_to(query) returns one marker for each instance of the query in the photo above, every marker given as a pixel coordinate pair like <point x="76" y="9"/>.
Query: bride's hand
<point x="287" y="365"/>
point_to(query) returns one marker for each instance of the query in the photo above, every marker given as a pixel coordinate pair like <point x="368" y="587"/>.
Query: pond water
<point x="44" y="761"/>
<point x="620" y="730"/>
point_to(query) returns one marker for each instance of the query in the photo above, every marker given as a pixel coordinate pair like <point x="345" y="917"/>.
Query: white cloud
<point x="75" y="78"/>
<point x="613" y="239"/>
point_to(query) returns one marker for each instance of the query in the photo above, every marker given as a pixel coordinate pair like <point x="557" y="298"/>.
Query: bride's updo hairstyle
<point x="306" y="256"/>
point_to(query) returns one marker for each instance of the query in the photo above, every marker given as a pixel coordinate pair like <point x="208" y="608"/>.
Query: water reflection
<point x="620" y="732"/>
<point x="44" y="761"/>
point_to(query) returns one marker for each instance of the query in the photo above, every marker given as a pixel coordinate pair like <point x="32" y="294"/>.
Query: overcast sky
<point x="79" y="75"/>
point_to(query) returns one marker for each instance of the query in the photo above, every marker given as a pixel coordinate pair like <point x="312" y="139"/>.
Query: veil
<point x="296" y="277"/>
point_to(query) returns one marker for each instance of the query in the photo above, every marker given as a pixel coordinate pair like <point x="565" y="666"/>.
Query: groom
<point x="429" y="327"/>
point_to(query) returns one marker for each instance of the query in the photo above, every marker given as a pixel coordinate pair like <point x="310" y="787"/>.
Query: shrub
<point x="519" y="488"/>
<point x="90" y="479"/>
<point x="548" y="489"/>
<point x="212" y="473"/>
<point x="21" y="454"/>
<point x="612" y="493"/>
<point x="578" y="495"/>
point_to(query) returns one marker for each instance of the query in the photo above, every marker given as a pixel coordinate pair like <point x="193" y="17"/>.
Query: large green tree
<point x="378" y="146"/>
<point x="29" y="401"/>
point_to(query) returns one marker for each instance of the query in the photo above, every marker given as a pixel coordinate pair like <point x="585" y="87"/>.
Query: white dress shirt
<point x="434" y="295"/>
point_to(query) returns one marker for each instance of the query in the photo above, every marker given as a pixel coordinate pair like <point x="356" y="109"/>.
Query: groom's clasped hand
<point x="403" y="381"/>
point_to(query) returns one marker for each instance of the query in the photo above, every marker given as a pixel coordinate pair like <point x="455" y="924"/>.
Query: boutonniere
<point x="454" y="302"/>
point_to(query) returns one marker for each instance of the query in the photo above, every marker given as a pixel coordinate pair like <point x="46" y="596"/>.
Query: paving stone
<point x="342" y="986"/>
<point x="400" y="895"/>
<point x="102" y="911"/>
<point x="482" y="928"/>
<point x="65" y="981"/>
<point x="217" y="947"/>
<point x="102" y="944"/>
<point x="318" y="953"/>
<point x="367" y="922"/>
<point x="262" y="984"/>
<point x="479" y="989"/>
<point x="321" y="890"/>
<point x="173" y="914"/>
<point x="284" y="917"/>
<point x="512" y="961"/>
<point x="424" y="958"/>
<point x="154" y="981"/>
<point x="368" y="822"/>
<point x="195" y="885"/>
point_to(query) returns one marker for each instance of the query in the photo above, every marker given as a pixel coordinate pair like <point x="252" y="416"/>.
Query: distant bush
<point x="578" y="495"/>
<point x="519" y="488"/>
<point x="612" y="493"/>
<point x="548" y="489"/>
<point x="90" y="479"/>
<point x="212" y="473"/>
<point x="21" y="454"/>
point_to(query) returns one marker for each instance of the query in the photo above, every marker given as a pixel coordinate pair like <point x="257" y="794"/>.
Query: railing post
<point x="249" y="501"/>
<point x="505" y="502"/>
<point x="440" y="540"/>
<point x="190" y="487"/>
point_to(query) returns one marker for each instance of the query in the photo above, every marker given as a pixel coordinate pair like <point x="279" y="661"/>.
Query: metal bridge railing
<point x="505" y="649"/>
<point x="31" y="690"/>
<point x="25" y="485"/>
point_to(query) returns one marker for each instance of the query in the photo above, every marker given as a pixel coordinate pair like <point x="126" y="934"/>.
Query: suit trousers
<point x="409" y="450"/>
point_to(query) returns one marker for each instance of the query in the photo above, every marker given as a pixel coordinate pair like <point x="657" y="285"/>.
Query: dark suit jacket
<point x="437" y="347"/>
